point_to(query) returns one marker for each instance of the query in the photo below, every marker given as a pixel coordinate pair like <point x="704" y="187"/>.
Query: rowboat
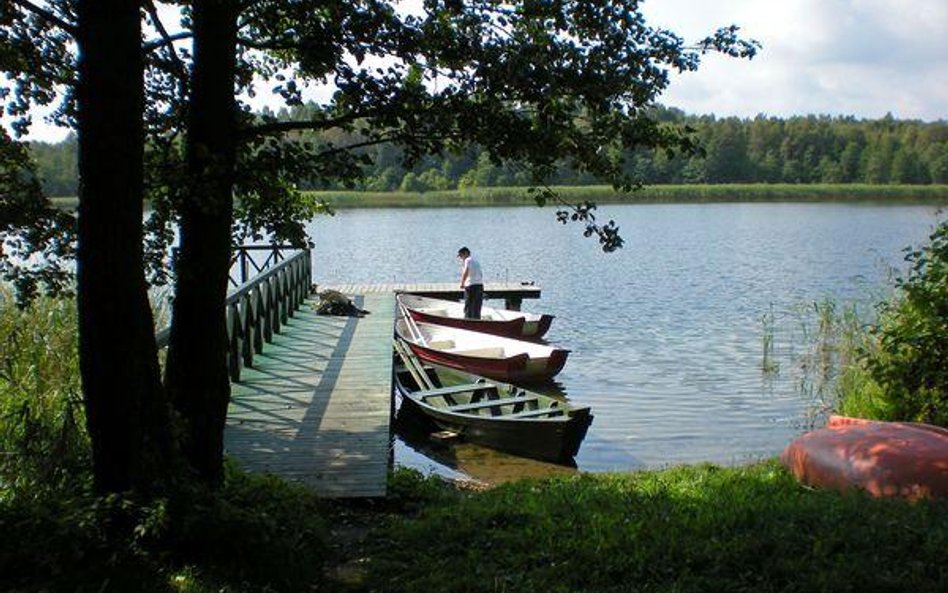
<point x="886" y="459"/>
<point x="496" y="415"/>
<point x="500" y="322"/>
<point x="496" y="357"/>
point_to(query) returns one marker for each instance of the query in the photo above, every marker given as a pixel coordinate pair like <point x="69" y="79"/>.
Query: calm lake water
<point x="667" y="333"/>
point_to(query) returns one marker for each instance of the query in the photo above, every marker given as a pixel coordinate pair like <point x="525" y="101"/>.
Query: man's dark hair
<point x="464" y="251"/>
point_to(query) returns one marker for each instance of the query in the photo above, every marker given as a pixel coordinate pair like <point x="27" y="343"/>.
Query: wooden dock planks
<point x="512" y="293"/>
<point x="495" y="289"/>
<point x="315" y="407"/>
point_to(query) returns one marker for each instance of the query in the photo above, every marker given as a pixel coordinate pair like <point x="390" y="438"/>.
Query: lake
<point x="667" y="333"/>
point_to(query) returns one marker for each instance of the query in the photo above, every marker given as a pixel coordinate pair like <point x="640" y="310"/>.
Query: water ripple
<point x="667" y="333"/>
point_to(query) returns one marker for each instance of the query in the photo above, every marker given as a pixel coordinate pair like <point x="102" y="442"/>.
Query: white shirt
<point x="473" y="269"/>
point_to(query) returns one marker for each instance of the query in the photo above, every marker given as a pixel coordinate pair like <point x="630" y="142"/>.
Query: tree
<point x="125" y="411"/>
<point x="727" y="153"/>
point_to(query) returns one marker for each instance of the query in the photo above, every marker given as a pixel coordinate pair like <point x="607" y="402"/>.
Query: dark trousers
<point x="473" y="299"/>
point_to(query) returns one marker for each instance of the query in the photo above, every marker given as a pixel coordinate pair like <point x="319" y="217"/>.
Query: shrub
<point x="907" y="359"/>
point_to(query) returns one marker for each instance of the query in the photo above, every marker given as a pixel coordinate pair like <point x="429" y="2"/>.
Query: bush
<point x="907" y="357"/>
<point x="258" y="529"/>
<point x="256" y="533"/>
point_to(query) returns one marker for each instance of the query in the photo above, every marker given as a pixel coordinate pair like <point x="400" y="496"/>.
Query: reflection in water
<point x="415" y="447"/>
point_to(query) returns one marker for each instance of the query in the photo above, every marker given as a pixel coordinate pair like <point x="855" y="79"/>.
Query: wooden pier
<point x="311" y="397"/>
<point x="512" y="293"/>
<point x="315" y="407"/>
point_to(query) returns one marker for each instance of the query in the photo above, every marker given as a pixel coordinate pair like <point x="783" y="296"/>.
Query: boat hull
<point x="497" y="357"/>
<point x="886" y="459"/>
<point x="518" y="328"/>
<point x="519" y="369"/>
<point x="555" y="437"/>
<point x="547" y="441"/>
<point x="521" y="326"/>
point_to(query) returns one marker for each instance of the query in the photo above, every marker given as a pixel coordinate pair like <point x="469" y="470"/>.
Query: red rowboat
<point x="504" y="359"/>
<point x="499" y="322"/>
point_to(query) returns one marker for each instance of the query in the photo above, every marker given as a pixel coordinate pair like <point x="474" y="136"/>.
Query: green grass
<point x="657" y="194"/>
<point x="701" y="528"/>
<point x="695" y="528"/>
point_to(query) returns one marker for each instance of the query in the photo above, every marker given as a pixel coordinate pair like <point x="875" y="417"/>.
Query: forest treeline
<point x="804" y="149"/>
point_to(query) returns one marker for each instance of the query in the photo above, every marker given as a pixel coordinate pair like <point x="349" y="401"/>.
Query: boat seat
<point x="484" y="352"/>
<point x="437" y="391"/>
<point x="441" y="344"/>
<point x="490" y="403"/>
<point x="541" y="412"/>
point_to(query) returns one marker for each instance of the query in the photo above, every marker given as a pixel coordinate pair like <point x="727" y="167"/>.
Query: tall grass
<point x="42" y="431"/>
<point x="653" y="194"/>
<point x="819" y="346"/>
<point x="769" y="364"/>
<point x="604" y="194"/>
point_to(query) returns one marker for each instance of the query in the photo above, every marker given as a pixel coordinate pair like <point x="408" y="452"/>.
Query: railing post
<point x="233" y="342"/>
<point x="243" y="254"/>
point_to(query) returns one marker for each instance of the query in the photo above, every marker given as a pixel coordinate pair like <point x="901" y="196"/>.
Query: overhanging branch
<point x="159" y="26"/>
<point x="166" y="40"/>
<point x="282" y="127"/>
<point x="47" y="15"/>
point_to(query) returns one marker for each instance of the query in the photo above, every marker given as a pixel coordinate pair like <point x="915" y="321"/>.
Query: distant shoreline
<point x="653" y="194"/>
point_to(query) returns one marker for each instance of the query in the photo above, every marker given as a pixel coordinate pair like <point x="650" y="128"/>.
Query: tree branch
<point x="47" y="15"/>
<point x="294" y="126"/>
<point x="349" y="147"/>
<point x="159" y="26"/>
<point x="166" y="40"/>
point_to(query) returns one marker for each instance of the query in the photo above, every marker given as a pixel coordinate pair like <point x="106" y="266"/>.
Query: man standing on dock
<point x="472" y="281"/>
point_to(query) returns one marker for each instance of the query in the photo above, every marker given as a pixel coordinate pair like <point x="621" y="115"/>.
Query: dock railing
<point x="261" y="305"/>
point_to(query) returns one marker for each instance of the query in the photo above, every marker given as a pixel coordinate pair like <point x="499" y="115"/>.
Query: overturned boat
<point x="886" y="459"/>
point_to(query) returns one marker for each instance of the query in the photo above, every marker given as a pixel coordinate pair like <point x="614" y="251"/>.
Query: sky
<point x="864" y="58"/>
<point x="861" y="58"/>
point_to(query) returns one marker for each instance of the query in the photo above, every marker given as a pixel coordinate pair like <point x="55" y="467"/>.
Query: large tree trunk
<point x="197" y="375"/>
<point x="126" y="412"/>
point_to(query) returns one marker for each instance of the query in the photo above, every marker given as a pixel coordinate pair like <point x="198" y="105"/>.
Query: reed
<point x="653" y="194"/>
<point x="605" y="194"/>
<point x="769" y="364"/>
<point x="42" y="432"/>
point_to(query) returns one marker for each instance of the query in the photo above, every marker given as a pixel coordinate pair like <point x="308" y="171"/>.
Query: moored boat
<point x="886" y="459"/>
<point x="500" y="322"/>
<point x="487" y="355"/>
<point x="493" y="414"/>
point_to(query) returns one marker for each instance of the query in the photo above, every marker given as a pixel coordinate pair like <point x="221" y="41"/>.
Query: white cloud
<point x="842" y="57"/>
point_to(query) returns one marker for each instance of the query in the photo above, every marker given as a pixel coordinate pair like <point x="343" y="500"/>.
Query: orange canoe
<point x="883" y="458"/>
